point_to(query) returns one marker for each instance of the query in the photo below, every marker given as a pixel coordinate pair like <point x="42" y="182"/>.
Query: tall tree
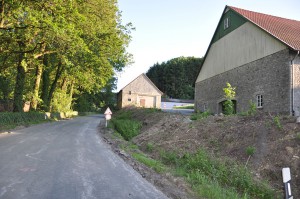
<point x="51" y="41"/>
<point x="176" y="77"/>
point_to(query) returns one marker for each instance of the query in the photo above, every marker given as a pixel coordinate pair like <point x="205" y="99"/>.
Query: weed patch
<point x="12" y="119"/>
<point x="127" y="128"/>
<point x="277" y="122"/>
<point x="150" y="147"/>
<point x="125" y="125"/>
<point x="198" y="116"/>
<point x="214" y="178"/>
<point x="154" y="164"/>
<point x="250" y="150"/>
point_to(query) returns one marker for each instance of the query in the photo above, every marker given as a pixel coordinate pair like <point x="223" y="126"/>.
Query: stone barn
<point x="259" y="55"/>
<point x="141" y="92"/>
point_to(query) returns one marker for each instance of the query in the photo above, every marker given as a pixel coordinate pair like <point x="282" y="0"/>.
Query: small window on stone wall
<point x="129" y="92"/>
<point x="259" y="101"/>
<point x="129" y="100"/>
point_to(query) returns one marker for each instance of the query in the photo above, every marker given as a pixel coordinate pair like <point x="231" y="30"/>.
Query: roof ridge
<point x="233" y="7"/>
<point x="147" y="79"/>
<point x="285" y="30"/>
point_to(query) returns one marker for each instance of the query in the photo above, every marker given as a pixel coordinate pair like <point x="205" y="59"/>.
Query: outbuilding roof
<point x="285" y="30"/>
<point x="147" y="79"/>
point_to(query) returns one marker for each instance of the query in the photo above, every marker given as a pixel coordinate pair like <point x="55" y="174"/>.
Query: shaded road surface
<point x="66" y="159"/>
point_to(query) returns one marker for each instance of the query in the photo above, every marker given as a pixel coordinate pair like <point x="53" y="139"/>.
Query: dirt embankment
<point x="276" y="140"/>
<point x="276" y="143"/>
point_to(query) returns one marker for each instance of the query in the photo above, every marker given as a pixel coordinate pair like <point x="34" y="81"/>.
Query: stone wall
<point x="268" y="76"/>
<point x="296" y="92"/>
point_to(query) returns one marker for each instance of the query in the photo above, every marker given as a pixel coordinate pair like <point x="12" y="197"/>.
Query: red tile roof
<point x="286" y="30"/>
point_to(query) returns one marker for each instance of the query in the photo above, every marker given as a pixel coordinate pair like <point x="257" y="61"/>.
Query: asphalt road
<point x="66" y="159"/>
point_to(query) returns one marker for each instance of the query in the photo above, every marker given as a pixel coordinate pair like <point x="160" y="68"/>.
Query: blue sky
<point x="167" y="29"/>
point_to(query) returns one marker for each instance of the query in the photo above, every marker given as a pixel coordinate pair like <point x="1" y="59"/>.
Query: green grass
<point x="151" y="110"/>
<point x="154" y="164"/>
<point x="127" y="128"/>
<point x="213" y="178"/>
<point x="128" y="146"/>
<point x="189" y="106"/>
<point x="10" y="120"/>
<point x="199" y="116"/>
<point x="125" y="125"/>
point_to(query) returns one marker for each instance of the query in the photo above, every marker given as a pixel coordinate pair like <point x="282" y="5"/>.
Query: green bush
<point x="229" y="94"/>
<point x="10" y="119"/>
<point x="228" y="107"/>
<point x="126" y="127"/>
<point x="123" y="115"/>
<point x="250" y="150"/>
<point x="123" y="123"/>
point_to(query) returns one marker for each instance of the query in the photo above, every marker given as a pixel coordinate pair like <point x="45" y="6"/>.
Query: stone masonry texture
<point x="268" y="76"/>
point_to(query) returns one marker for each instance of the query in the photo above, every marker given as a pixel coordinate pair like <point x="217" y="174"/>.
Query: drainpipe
<point x="293" y="90"/>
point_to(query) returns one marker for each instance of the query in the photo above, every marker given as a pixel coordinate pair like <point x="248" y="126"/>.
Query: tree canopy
<point x="53" y="50"/>
<point x="176" y="77"/>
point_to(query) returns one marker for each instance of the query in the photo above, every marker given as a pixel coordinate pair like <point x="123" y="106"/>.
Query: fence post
<point x="286" y="175"/>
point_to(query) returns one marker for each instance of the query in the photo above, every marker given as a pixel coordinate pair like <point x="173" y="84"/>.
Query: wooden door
<point x="142" y="102"/>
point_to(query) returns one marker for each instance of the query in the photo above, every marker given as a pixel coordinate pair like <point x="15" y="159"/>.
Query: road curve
<point x="66" y="159"/>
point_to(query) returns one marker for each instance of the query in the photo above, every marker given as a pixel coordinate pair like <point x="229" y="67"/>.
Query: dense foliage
<point x="176" y="77"/>
<point x="90" y="102"/>
<point x="123" y="123"/>
<point x="52" y="50"/>
<point x="9" y="120"/>
<point x="229" y="95"/>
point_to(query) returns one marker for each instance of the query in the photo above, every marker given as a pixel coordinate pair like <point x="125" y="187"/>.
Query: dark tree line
<point x="176" y="77"/>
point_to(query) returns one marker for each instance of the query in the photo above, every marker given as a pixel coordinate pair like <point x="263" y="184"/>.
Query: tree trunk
<point x="58" y="74"/>
<point x="46" y="83"/>
<point x="71" y="93"/>
<point x="38" y="77"/>
<point x="19" y="87"/>
<point x="2" y="13"/>
<point x="34" y="100"/>
<point x="64" y="84"/>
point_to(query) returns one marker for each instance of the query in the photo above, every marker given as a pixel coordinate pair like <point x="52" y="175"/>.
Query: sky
<point x="166" y="29"/>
